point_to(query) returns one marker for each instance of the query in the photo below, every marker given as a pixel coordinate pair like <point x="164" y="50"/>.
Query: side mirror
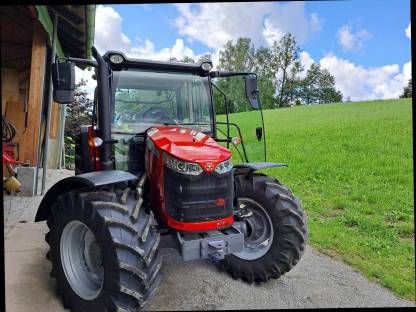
<point x="251" y="90"/>
<point x="63" y="77"/>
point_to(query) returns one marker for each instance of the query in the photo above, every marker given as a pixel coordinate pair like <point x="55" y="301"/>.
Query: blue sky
<point x="362" y="43"/>
<point x="385" y="20"/>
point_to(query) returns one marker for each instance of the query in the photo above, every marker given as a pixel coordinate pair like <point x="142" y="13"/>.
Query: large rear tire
<point x="104" y="256"/>
<point x="275" y="234"/>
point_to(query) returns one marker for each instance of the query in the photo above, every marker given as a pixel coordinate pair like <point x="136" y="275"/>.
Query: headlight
<point x="224" y="166"/>
<point x="181" y="166"/>
<point x="116" y="59"/>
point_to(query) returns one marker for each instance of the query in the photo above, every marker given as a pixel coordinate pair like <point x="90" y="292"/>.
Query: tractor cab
<point x="177" y="97"/>
<point x="140" y="94"/>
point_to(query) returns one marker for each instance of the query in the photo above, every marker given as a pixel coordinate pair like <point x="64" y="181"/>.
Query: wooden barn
<point x="27" y="49"/>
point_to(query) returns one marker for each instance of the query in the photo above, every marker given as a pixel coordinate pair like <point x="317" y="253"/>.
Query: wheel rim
<point x="258" y="236"/>
<point x="81" y="260"/>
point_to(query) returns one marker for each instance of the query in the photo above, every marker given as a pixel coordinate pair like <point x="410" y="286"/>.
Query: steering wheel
<point x="157" y="114"/>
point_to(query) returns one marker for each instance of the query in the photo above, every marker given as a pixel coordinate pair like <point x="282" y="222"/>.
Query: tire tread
<point x="290" y="230"/>
<point x="110" y="208"/>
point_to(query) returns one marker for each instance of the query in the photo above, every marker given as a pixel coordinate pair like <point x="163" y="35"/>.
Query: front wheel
<point x="104" y="252"/>
<point x="275" y="233"/>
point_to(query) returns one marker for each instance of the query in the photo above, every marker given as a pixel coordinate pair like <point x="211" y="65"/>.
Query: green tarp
<point x="47" y="22"/>
<point x="90" y="28"/>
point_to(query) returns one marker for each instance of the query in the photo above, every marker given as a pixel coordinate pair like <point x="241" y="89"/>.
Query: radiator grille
<point x="193" y="198"/>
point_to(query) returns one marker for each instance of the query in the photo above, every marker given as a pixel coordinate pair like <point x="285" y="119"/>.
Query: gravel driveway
<point x="317" y="281"/>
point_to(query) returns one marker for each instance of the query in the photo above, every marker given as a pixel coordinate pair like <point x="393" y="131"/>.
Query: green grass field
<point x="351" y="165"/>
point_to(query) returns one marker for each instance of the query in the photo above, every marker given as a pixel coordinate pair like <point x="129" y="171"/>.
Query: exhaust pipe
<point x="104" y="122"/>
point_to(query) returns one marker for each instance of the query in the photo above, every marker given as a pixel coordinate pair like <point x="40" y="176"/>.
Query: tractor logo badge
<point x="221" y="224"/>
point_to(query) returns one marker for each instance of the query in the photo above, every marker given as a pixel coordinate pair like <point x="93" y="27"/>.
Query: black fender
<point x="251" y="167"/>
<point x="90" y="179"/>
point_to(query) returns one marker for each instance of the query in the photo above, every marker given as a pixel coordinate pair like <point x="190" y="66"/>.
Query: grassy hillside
<point x="351" y="164"/>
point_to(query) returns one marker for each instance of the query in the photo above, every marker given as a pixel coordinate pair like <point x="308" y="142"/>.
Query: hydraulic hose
<point x="8" y="130"/>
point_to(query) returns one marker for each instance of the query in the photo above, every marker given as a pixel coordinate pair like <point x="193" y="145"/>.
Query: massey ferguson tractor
<point x="154" y="170"/>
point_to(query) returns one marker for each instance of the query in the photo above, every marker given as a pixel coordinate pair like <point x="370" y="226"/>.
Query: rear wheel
<point x="274" y="234"/>
<point x="104" y="255"/>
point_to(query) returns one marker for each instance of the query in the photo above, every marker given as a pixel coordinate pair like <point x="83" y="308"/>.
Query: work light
<point x="116" y="59"/>
<point x="206" y="66"/>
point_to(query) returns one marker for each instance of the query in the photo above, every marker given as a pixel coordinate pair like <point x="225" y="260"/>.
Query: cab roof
<point x="152" y="65"/>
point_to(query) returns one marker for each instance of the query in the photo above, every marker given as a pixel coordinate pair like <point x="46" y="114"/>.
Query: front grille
<point x="193" y="198"/>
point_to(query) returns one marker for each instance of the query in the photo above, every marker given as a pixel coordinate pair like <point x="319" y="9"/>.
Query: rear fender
<point x="251" y="167"/>
<point x="91" y="179"/>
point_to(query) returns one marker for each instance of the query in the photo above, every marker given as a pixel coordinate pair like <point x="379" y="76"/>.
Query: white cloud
<point x="271" y="33"/>
<point x="316" y="22"/>
<point x="178" y="50"/>
<point x="408" y="32"/>
<point x="213" y="24"/>
<point x="350" y="40"/>
<point x="307" y="61"/>
<point x="200" y="25"/>
<point x="360" y="83"/>
<point x="108" y="30"/>
<point x="109" y="36"/>
<point x="407" y="71"/>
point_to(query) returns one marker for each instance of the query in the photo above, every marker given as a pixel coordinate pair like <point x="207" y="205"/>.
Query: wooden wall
<point x="18" y="90"/>
<point x="12" y="99"/>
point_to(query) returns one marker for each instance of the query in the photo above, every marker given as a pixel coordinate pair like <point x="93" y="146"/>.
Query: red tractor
<point x="151" y="173"/>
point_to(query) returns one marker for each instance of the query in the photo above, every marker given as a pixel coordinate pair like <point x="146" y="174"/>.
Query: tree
<point x="293" y="83"/>
<point x="278" y="71"/>
<point x="309" y="85"/>
<point x="185" y="59"/>
<point x="286" y="66"/>
<point x="188" y="59"/>
<point x="242" y="56"/>
<point x="262" y="67"/>
<point x="79" y="112"/>
<point x="318" y="86"/>
<point x="235" y="57"/>
<point x="327" y="92"/>
<point x="407" y="91"/>
<point x="205" y="57"/>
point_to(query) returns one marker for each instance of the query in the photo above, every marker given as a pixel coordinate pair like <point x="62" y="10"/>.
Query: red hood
<point x="189" y="145"/>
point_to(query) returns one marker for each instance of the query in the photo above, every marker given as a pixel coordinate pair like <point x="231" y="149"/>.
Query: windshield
<point x="143" y="99"/>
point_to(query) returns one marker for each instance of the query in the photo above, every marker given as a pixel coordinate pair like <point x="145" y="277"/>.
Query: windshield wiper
<point x="123" y="132"/>
<point x="165" y="124"/>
